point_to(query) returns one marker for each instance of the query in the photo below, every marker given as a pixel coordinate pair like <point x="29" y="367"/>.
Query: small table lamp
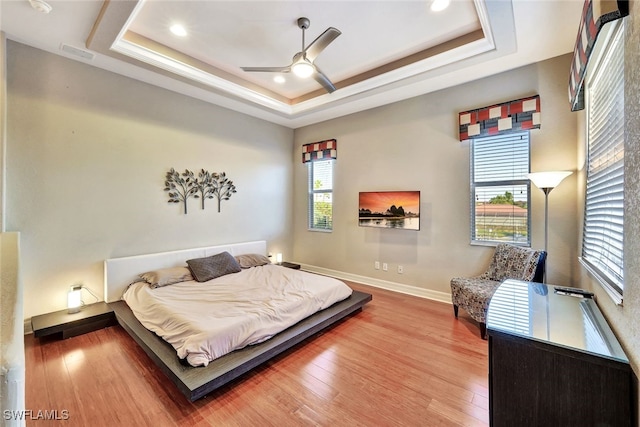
<point x="74" y="299"/>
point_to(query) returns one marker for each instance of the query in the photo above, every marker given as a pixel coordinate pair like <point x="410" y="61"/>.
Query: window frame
<point x="498" y="183"/>
<point x="614" y="32"/>
<point x="312" y="192"/>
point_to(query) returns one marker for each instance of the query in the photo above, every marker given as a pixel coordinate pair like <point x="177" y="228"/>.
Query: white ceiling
<point x="259" y="34"/>
<point x="389" y="50"/>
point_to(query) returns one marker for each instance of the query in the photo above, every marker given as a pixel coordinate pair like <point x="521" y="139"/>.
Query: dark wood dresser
<point x="554" y="361"/>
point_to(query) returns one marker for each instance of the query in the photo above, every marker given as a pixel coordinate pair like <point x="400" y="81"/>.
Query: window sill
<point x="319" y="230"/>
<point x="494" y="243"/>
<point x="615" y="296"/>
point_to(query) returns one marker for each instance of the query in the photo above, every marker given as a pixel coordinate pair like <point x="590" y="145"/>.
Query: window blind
<point x="500" y="188"/>
<point x="603" y="233"/>
<point x="501" y="157"/>
<point x="320" y="195"/>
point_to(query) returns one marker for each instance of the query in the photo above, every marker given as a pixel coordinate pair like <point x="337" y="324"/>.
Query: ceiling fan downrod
<point x="303" y="24"/>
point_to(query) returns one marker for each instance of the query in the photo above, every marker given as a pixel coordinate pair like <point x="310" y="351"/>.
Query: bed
<point x="196" y="382"/>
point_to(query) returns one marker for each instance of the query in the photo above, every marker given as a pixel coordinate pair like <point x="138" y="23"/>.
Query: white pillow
<point x="166" y="276"/>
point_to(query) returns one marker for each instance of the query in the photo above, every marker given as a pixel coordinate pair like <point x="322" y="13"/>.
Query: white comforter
<point x="204" y="321"/>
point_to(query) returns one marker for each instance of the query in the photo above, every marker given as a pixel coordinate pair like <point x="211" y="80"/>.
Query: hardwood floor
<point x="402" y="361"/>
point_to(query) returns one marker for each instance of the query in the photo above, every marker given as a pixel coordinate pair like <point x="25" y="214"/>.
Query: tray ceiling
<point x="388" y="50"/>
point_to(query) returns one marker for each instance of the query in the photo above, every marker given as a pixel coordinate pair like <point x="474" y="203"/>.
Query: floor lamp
<point x="547" y="181"/>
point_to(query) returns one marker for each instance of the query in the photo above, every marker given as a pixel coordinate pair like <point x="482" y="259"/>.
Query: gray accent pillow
<point x="204" y="269"/>
<point x="252" y="260"/>
<point x="166" y="276"/>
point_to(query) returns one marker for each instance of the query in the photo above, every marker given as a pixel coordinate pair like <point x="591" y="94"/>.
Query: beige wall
<point x="624" y="319"/>
<point x="87" y="155"/>
<point x="412" y="145"/>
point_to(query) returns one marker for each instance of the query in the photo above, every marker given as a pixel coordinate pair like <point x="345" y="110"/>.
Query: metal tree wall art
<point x="180" y="187"/>
<point x="223" y="188"/>
<point x="203" y="183"/>
<point x="207" y="185"/>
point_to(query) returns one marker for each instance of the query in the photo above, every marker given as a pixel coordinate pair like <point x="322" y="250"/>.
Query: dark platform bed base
<point x="196" y="383"/>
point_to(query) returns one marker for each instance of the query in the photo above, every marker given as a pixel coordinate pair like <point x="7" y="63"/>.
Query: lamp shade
<point x="74" y="298"/>
<point x="549" y="179"/>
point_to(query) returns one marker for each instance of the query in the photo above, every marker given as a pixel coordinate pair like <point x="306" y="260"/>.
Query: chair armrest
<point x="540" y="268"/>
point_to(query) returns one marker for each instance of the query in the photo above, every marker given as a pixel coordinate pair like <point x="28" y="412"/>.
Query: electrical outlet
<point x="385" y="267"/>
<point x="376" y="265"/>
<point x="400" y="269"/>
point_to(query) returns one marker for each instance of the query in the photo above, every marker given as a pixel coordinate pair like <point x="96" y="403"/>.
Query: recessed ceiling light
<point x="41" y="6"/>
<point x="178" y="30"/>
<point x="439" y="5"/>
<point x="279" y="79"/>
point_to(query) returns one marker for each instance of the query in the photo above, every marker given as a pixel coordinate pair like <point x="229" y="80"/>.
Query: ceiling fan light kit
<point x="302" y="69"/>
<point x="302" y="64"/>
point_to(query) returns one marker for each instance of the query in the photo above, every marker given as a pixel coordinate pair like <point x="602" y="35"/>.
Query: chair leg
<point x="455" y="310"/>
<point x="483" y="330"/>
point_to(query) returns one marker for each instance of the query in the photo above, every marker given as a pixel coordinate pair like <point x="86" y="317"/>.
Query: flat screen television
<point x="390" y="209"/>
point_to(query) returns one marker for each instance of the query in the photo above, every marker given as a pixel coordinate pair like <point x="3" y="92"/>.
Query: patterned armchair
<point x="509" y="262"/>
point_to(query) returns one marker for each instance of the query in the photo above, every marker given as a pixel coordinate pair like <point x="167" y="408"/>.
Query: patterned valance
<point x="509" y="116"/>
<point x="595" y="14"/>
<point x="323" y="150"/>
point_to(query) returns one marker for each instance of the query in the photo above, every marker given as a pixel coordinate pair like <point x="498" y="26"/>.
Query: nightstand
<point x="290" y="265"/>
<point x="64" y="325"/>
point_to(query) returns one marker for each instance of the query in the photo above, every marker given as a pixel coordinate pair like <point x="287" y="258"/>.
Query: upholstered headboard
<point x="120" y="272"/>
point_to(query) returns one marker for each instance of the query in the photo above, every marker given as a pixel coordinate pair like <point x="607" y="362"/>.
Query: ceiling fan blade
<point x="318" y="45"/>
<point x="321" y="78"/>
<point x="267" y="69"/>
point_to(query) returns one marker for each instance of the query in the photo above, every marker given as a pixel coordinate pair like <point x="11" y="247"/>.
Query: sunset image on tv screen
<point x="390" y="209"/>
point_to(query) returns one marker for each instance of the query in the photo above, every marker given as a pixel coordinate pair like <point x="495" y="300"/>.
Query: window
<point x="321" y="195"/>
<point x="500" y="189"/>
<point x="602" y="242"/>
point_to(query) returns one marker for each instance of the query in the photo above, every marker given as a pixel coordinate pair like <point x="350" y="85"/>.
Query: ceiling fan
<point x="302" y="64"/>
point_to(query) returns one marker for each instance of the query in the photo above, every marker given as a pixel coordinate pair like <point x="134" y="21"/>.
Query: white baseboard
<point x="384" y="284"/>
<point x="27" y="326"/>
